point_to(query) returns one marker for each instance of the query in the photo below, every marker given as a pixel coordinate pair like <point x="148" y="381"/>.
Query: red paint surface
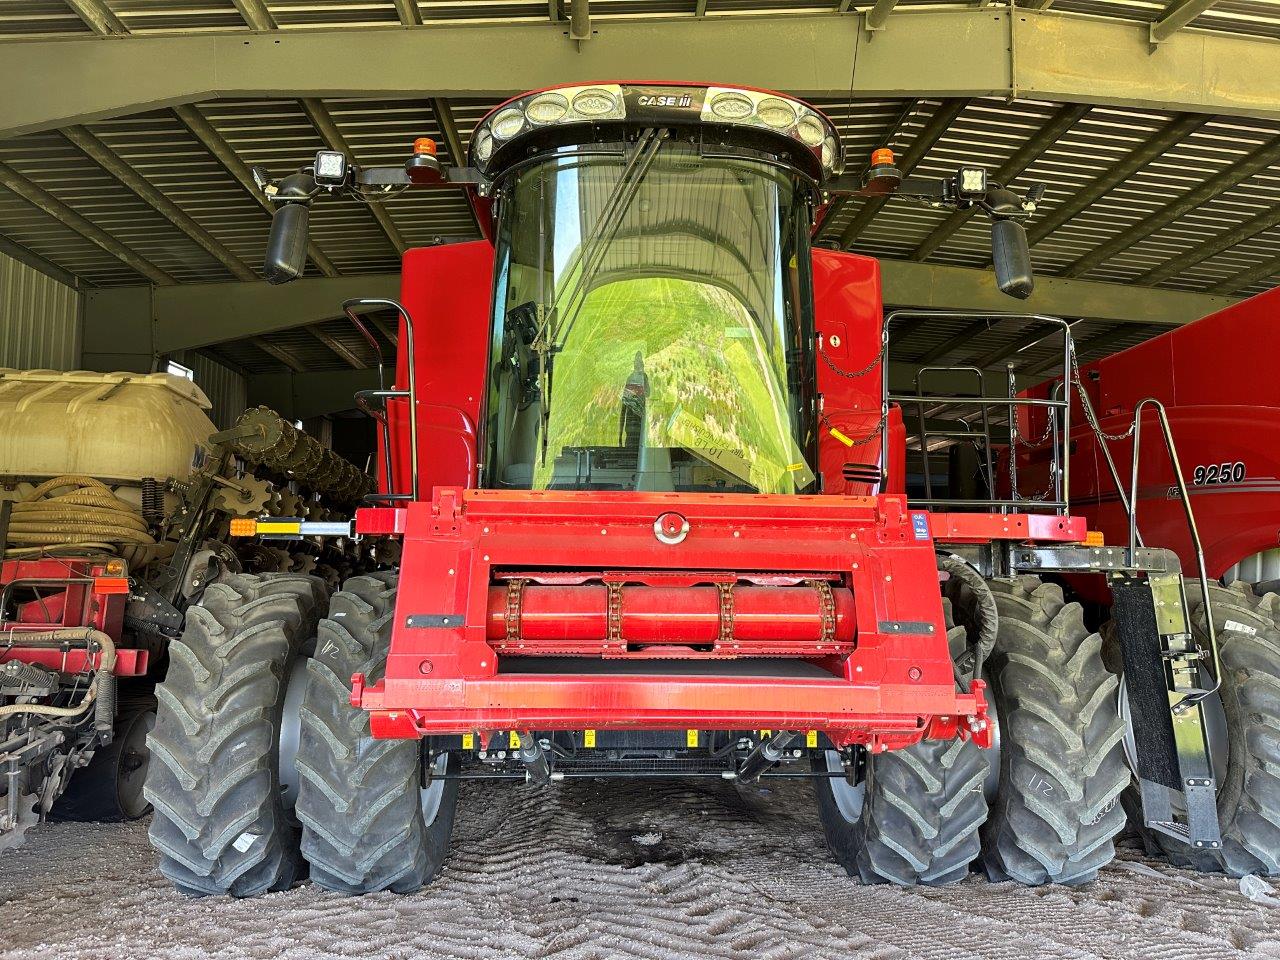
<point x="1217" y="379"/>
<point x="67" y="599"/>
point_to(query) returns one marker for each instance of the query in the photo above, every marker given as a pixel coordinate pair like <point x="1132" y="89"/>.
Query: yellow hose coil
<point x="86" y="515"/>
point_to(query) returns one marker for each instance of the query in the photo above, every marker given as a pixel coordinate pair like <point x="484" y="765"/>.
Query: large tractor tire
<point x="1247" y="759"/>
<point x="221" y="823"/>
<point x="915" y="817"/>
<point x="1057" y="807"/>
<point x="368" y="821"/>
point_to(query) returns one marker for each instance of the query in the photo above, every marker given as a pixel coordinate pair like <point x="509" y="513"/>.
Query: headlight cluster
<point x="609" y="101"/>
<point x="601" y="101"/>
<point x="756" y="108"/>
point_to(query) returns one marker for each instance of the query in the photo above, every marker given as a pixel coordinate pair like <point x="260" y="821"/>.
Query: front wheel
<point x="915" y="816"/>
<point x="372" y="818"/>
<point x="1057" y="807"/>
<point x="221" y="823"/>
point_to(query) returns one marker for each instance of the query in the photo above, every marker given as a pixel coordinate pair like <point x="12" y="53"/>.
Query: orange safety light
<point x="424" y="145"/>
<point x="243" y="526"/>
<point x="114" y="568"/>
<point x="882" y="157"/>
<point x="1094" y="538"/>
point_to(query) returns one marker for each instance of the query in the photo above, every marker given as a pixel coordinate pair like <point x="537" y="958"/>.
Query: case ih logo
<point x="657" y="103"/>
<point x="664" y="100"/>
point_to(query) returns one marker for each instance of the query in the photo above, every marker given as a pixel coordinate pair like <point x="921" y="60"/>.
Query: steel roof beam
<point x="339" y="348"/>
<point x="109" y="161"/>
<point x="1247" y="278"/>
<point x="930" y="134"/>
<point x="194" y="315"/>
<point x="45" y="201"/>
<point x="930" y="53"/>
<point x="255" y="14"/>
<point x="1205" y="250"/>
<point x="212" y="141"/>
<point x="329" y="132"/>
<point x="98" y="17"/>
<point x="1234" y="173"/>
<point x="878" y="15"/>
<point x="457" y="152"/>
<point x="1177" y="15"/>
<point x="279" y="353"/>
<point x="408" y="12"/>
<point x="1010" y="170"/>
<point x="39" y="264"/>
<point x="1173" y="133"/>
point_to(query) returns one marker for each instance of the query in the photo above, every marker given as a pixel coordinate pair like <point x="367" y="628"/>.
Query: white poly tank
<point x="116" y="427"/>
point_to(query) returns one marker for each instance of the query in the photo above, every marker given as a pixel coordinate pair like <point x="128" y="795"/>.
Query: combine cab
<point x="649" y="479"/>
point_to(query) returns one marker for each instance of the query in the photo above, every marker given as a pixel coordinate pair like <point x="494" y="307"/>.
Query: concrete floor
<point x="600" y="870"/>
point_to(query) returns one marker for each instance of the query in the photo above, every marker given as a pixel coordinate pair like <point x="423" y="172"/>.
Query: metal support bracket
<point x="1161" y="669"/>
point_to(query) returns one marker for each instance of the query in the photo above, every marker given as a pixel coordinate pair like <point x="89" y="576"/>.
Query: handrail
<point x="349" y="308"/>
<point x="1060" y="466"/>
<point x="1171" y="448"/>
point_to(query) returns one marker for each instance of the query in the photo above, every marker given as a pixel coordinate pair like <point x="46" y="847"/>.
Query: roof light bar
<point x="676" y="104"/>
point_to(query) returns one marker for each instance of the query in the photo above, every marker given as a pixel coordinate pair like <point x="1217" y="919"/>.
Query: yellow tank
<point x="117" y="427"/>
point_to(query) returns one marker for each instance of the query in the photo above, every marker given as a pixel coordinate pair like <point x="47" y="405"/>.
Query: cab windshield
<point x="650" y="329"/>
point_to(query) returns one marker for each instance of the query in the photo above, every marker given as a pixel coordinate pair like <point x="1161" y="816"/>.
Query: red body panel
<point x="447" y="290"/>
<point x="68" y="599"/>
<point x="450" y="679"/>
<point x="849" y="317"/>
<point x="1218" y="380"/>
<point x="833" y="619"/>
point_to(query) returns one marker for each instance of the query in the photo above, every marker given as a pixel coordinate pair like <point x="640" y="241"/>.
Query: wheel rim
<point x="291" y="732"/>
<point x="134" y="757"/>
<point x="849" y="797"/>
<point x="432" y="795"/>
<point x="1215" y="723"/>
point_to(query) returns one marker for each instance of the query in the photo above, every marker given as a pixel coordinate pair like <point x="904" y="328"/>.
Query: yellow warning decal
<point x="841" y="437"/>
<point x="793" y="467"/>
<point x="811" y="739"/>
<point x="513" y="740"/>
<point x="691" y="738"/>
<point x="588" y="738"/>
<point x="279" y="526"/>
<point x="765" y="733"/>
<point x="468" y="741"/>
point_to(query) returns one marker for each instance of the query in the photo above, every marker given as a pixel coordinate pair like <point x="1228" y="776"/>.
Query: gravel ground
<point x="591" y="869"/>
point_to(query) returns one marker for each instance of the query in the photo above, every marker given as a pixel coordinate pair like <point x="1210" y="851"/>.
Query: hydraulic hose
<point x="101" y="689"/>
<point x="985" y="614"/>
<point x="85" y="514"/>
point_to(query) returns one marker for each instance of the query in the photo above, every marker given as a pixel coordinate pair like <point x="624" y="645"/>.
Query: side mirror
<point x="1012" y="259"/>
<point x="287" y="246"/>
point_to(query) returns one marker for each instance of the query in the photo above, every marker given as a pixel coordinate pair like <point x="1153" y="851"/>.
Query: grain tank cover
<point x="116" y="427"/>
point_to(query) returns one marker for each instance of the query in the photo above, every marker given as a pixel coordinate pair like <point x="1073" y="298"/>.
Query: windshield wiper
<point x="591" y="256"/>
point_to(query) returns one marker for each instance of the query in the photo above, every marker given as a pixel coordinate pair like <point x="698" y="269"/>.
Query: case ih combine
<point x="650" y="493"/>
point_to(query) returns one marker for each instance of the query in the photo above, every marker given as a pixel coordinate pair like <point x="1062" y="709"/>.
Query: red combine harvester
<point x="1221" y="403"/>
<point x="650" y="491"/>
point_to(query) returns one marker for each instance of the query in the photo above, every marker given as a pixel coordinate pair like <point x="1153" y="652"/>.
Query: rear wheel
<point x="1246" y="761"/>
<point x="369" y="821"/>
<point x="914" y="818"/>
<point x="221" y="823"/>
<point x="109" y="789"/>
<point x="1057" y="806"/>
